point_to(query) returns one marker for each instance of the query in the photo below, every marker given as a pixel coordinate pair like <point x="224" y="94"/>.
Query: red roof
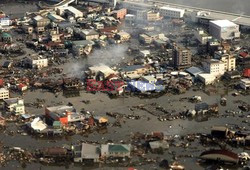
<point x="244" y="54"/>
<point x="246" y="72"/>
<point x="108" y="29"/>
<point x="1" y="82"/>
<point x="20" y="86"/>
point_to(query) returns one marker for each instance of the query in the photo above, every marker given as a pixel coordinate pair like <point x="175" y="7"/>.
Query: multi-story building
<point x="69" y="10"/>
<point x="120" y="14"/>
<point x="245" y="83"/>
<point x="214" y="67"/>
<point x="166" y="11"/>
<point x="14" y="105"/>
<point x="181" y="57"/>
<point x="35" y="61"/>
<point x="228" y="60"/>
<point x="40" y="21"/>
<point x="202" y="36"/>
<point x="82" y="47"/>
<point x="224" y="29"/>
<point x="4" y="94"/>
<point x="152" y="16"/>
<point x="55" y="36"/>
<point x="64" y="114"/>
<point x="89" y="34"/>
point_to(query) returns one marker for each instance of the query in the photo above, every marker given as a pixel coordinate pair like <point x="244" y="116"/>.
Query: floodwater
<point x="100" y="103"/>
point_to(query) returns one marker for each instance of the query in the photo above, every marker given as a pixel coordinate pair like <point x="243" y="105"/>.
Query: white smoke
<point x="110" y="55"/>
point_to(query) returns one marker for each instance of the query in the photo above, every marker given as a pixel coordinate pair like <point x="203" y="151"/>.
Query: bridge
<point x="60" y="4"/>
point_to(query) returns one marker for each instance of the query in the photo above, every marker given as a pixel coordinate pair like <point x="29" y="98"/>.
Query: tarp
<point x="38" y="125"/>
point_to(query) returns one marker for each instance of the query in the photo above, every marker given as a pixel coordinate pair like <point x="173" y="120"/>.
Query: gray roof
<point x="131" y="68"/>
<point x="11" y="101"/>
<point x="194" y="70"/>
<point x="83" y="43"/>
<point x="90" y="151"/>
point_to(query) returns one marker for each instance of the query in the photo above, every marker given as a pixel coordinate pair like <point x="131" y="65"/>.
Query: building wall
<point x="153" y="16"/>
<point x="4" y="94"/>
<point x="181" y="56"/>
<point x="172" y="13"/>
<point x="224" y="33"/>
<point x="120" y="14"/>
<point x="40" y="63"/>
<point x="214" y="68"/>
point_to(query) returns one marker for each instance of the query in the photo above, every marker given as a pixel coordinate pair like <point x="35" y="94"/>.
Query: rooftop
<point x="119" y="148"/>
<point x="61" y="108"/>
<point x="172" y="9"/>
<point x="90" y="151"/>
<point x="3" y="90"/>
<point x="131" y="68"/>
<point x="224" y="23"/>
<point x="83" y="43"/>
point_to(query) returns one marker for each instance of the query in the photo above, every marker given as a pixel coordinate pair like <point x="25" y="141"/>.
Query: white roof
<point x="245" y="80"/>
<point x="223" y="23"/>
<point x="71" y="9"/>
<point x="3" y="90"/>
<point x="38" y="17"/>
<point x="149" y="78"/>
<point x="129" y="15"/>
<point x="38" y="124"/>
<point x="207" y="76"/>
<point x="102" y="68"/>
<point x="172" y="9"/>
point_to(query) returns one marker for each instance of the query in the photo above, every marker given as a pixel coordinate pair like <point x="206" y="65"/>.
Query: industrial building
<point x="224" y="29"/>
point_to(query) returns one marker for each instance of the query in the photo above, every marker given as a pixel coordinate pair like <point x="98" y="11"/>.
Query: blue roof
<point x="143" y="86"/>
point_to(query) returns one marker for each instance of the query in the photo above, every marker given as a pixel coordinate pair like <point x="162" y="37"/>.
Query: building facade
<point x="202" y="36"/>
<point x="14" y="105"/>
<point x="228" y="60"/>
<point x="214" y="67"/>
<point x="35" y="61"/>
<point x="171" y="12"/>
<point x="181" y="57"/>
<point x="4" y="94"/>
<point x="224" y="29"/>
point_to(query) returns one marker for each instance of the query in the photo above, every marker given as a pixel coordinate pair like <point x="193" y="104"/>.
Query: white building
<point x="36" y="61"/>
<point x="14" y="105"/>
<point x="70" y="10"/>
<point x="166" y="11"/>
<point x="214" y="67"/>
<point x="4" y="94"/>
<point x="224" y="29"/>
<point x="202" y="36"/>
<point x="228" y="60"/>
<point x="245" y="83"/>
<point x="144" y="53"/>
<point x="206" y="78"/>
<point x="5" y="21"/>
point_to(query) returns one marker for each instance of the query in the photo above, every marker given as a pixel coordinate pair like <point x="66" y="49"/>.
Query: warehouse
<point x="224" y="29"/>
